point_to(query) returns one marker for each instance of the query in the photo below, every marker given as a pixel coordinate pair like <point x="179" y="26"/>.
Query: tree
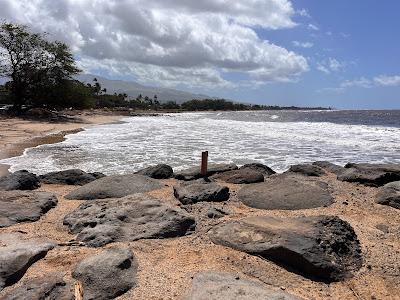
<point x="39" y="71"/>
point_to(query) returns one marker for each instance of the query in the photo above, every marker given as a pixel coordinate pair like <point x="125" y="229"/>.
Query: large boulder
<point x="20" y="180"/>
<point x="22" y="206"/>
<point x="161" y="171"/>
<point x="17" y="255"/>
<point x="265" y="170"/>
<point x="330" y="167"/>
<point x="191" y="193"/>
<point x="70" y="177"/>
<point x="370" y="174"/>
<point x="48" y="287"/>
<point x="116" y="186"/>
<point x="322" y="248"/>
<point x="389" y="195"/>
<point x="307" y="170"/>
<point x="241" y="176"/>
<point x="194" y="172"/>
<point x="127" y="219"/>
<point x="108" y="274"/>
<point x="218" y="286"/>
<point x="286" y="192"/>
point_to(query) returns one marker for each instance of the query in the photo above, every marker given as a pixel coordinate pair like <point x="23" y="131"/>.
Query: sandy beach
<point x="17" y="134"/>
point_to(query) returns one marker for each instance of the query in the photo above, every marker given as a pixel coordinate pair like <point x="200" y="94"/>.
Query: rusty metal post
<point x="204" y="163"/>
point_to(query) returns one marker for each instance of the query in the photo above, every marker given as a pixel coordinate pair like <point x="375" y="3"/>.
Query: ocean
<point x="275" y="138"/>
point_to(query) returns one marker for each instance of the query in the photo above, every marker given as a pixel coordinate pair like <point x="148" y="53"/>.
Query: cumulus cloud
<point x="171" y="42"/>
<point x="330" y="65"/>
<point x="302" y="44"/>
<point x="304" y="13"/>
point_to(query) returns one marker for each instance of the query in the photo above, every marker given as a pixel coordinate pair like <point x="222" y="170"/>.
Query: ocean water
<point x="276" y="138"/>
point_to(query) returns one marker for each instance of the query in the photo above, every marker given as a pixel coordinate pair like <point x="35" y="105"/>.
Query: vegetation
<point x="41" y="72"/>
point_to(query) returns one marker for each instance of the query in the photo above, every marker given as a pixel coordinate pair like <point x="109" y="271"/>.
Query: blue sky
<point x="362" y="35"/>
<point x="338" y="53"/>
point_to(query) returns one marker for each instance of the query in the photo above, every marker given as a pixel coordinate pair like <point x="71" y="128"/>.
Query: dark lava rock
<point x="218" y="286"/>
<point x="108" y="274"/>
<point x="286" y="192"/>
<point x="267" y="171"/>
<point x="240" y="176"/>
<point x="330" y="167"/>
<point x="307" y="170"/>
<point x="389" y="195"/>
<point x="116" y="186"/>
<point x="20" y="180"/>
<point x="216" y="213"/>
<point x="370" y="174"/>
<point x="158" y="172"/>
<point x="322" y="248"/>
<point x="190" y="193"/>
<point x="17" y="255"/>
<point x="194" y="172"/>
<point x="127" y="219"/>
<point x="48" y="287"/>
<point x="70" y="177"/>
<point x="21" y="206"/>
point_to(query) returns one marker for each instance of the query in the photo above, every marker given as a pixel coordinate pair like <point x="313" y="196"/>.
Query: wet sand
<point x="16" y="135"/>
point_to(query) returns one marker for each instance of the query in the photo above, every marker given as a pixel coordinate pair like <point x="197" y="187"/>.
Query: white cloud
<point x="363" y="82"/>
<point x="304" y="13"/>
<point x="313" y="27"/>
<point x="330" y="65"/>
<point x="360" y="82"/>
<point x="302" y="44"/>
<point x="384" y="80"/>
<point x="170" y="41"/>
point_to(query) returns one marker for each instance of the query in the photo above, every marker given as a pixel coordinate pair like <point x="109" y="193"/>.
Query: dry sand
<point x="166" y="266"/>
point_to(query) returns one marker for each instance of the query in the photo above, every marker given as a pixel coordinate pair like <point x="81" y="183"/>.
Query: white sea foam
<point x="179" y="139"/>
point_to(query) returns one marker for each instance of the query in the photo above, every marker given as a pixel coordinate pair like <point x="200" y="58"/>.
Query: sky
<point x="337" y="53"/>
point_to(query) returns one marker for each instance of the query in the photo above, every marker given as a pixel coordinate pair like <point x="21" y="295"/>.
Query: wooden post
<point x="204" y="163"/>
<point x="78" y="291"/>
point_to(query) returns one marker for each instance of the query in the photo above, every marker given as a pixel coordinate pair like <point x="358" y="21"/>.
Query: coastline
<point x="17" y="135"/>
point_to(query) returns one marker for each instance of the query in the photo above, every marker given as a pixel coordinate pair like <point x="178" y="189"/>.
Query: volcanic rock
<point x="17" y="255"/>
<point x="70" y="177"/>
<point x="330" y="167"/>
<point x="127" y="219"/>
<point x="22" y="206"/>
<point x="20" y="180"/>
<point x="389" y="195"/>
<point x="286" y="192"/>
<point x="322" y="248"/>
<point x="161" y="171"/>
<point x="240" y="176"/>
<point x="307" y="170"/>
<point x="370" y="174"/>
<point x="48" y="287"/>
<point x="194" y="172"/>
<point x="191" y="193"/>
<point x="216" y="286"/>
<point x="116" y="186"/>
<point x="267" y="171"/>
<point x="108" y="274"/>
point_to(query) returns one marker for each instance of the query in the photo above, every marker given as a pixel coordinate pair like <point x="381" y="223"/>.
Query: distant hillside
<point x="133" y="89"/>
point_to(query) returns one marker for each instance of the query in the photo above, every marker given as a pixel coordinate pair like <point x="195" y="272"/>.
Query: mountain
<point x="133" y="89"/>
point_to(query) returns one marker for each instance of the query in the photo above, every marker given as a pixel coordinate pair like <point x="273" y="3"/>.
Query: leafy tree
<point x="40" y="71"/>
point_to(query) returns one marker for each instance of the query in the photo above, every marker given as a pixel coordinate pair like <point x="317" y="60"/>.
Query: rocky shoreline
<point x="316" y="231"/>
